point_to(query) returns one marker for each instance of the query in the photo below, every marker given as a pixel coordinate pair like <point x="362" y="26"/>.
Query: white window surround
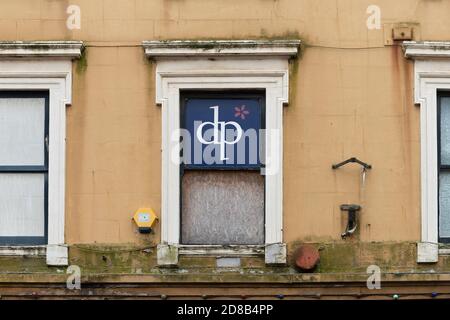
<point x="45" y="65"/>
<point x="431" y="73"/>
<point x="245" y="64"/>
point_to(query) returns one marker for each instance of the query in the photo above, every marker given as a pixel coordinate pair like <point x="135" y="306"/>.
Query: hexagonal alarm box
<point x="144" y="219"/>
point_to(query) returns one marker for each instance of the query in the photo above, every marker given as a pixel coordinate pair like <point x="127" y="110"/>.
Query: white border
<point x="55" y="76"/>
<point x="431" y="73"/>
<point x="169" y="84"/>
<point x="238" y="72"/>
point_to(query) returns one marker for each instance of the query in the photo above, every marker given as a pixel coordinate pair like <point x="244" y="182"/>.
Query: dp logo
<point x="219" y="128"/>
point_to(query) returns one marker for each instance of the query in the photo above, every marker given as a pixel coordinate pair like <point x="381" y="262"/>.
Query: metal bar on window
<point x="23" y="169"/>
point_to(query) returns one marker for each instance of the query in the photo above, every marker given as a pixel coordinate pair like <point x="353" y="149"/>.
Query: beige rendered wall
<point x="350" y="96"/>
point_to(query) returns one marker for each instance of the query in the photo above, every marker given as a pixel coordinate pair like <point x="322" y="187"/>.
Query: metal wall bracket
<point x="350" y="160"/>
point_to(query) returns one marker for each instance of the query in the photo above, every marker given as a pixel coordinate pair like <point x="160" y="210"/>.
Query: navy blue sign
<point x="222" y="132"/>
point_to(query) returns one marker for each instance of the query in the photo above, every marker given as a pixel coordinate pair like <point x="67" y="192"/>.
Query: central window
<point x="227" y="197"/>
<point x="222" y="153"/>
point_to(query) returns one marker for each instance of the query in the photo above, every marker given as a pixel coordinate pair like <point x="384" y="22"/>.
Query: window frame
<point x="431" y="75"/>
<point x="23" y="169"/>
<point x="215" y="65"/>
<point x="258" y="94"/>
<point x="45" y="65"/>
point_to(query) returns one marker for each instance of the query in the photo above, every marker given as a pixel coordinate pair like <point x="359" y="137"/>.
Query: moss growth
<point x="209" y="262"/>
<point x="82" y="63"/>
<point x="253" y="262"/>
<point x="264" y="35"/>
<point x="293" y="76"/>
<point x="337" y="258"/>
<point x="288" y="35"/>
<point x="23" y="264"/>
<point x="113" y="259"/>
<point x="354" y="256"/>
<point x="340" y="258"/>
<point x="197" y="262"/>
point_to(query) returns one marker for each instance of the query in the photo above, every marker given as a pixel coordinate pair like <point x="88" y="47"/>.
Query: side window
<point x="23" y="167"/>
<point x="444" y="166"/>
<point x="222" y="188"/>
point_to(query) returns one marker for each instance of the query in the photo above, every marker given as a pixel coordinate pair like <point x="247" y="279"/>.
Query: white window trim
<point x="45" y="66"/>
<point x="218" y="250"/>
<point x="431" y="73"/>
<point x="220" y="65"/>
<point x="23" y="250"/>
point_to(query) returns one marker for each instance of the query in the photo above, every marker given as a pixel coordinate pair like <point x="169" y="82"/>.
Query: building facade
<point x="195" y="148"/>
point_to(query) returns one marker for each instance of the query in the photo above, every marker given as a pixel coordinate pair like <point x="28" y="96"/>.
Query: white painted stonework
<point x="45" y="66"/>
<point x="222" y="65"/>
<point x="427" y="49"/>
<point x="431" y="73"/>
<point x="41" y="49"/>
<point x="221" y="48"/>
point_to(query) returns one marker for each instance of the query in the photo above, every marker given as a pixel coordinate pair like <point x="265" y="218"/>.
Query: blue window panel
<point x="222" y="133"/>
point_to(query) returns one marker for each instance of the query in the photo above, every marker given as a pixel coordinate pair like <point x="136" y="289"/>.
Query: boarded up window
<point x="222" y="207"/>
<point x="222" y="189"/>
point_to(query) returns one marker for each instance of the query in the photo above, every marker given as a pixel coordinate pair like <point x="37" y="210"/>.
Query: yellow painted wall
<point x="344" y="102"/>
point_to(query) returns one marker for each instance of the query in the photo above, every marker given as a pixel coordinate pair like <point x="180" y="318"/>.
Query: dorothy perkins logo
<point x="219" y="128"/>
<point x="225" y="136"/>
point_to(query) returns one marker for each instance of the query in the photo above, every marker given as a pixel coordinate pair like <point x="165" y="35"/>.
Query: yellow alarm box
<point x="144" y="219"/>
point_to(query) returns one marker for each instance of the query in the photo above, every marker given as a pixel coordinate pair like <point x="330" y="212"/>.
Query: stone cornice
<point x="426" y="49"/>
<point x="208" y="48"/>
<point x="41" y="49"/>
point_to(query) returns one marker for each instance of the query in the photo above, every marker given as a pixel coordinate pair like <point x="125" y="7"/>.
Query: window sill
<point x="23" y="250"/>
<point x="220" y="250"/>
<point x="444" y="249"/>
<point x="274" y="253"/>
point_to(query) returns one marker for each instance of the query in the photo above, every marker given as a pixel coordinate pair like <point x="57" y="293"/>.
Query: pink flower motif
<point x="241" y="112"/>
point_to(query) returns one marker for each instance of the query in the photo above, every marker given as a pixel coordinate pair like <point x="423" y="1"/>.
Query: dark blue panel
<point x="222" y="132"/>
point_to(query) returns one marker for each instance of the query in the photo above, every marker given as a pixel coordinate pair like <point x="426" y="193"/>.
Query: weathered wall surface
<point x="350" y="96"/>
